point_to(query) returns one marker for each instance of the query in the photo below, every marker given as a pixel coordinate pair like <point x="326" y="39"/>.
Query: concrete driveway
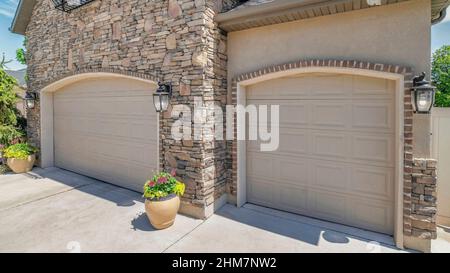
<point x="52" y="210"/>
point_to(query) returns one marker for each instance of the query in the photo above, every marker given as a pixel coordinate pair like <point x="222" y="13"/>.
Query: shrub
<point x="19" y="151"/>
<point x="440" y="75"/>
<point x="12" y="124"/>
<point x="10" y="135"/>
<point x="163" y="184"/>
<point x="442" y="99"/>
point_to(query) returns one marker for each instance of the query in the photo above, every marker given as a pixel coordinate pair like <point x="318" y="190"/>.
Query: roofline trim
<point x="22" y="16"/>
<point x="16" y="14"/>
<point x="267" y="8"/>
<point x="289" y="10"/>
<point x="441" y="17"/>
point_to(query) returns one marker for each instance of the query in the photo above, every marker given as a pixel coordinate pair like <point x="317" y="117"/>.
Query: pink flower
<point x="151" y="183"/>
<point x="173" y="172"/>
<point x="162" y="180"/>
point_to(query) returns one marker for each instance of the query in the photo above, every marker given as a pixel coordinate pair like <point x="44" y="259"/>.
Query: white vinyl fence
<point x="441" y="151"/>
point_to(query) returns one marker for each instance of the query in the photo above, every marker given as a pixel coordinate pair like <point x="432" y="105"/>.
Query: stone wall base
<point x="204" y="212"/>
<point x="415" y="243"/>
<point x="421" y="199"/>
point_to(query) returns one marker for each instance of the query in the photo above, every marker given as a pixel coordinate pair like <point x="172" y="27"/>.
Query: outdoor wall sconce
<point x="422" y="95"/>
<point x="161" y="97"/>
<point x="30" y="100"/>
<point x="69" y="5"/>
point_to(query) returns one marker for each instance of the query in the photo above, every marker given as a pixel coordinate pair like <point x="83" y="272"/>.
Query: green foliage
<point x="20" y="56"/>
<point x="9" y="135"/>
<point x="21" y="53"/>
<point x="163" y="184"/>
<point x="442" y="99"/>
<point x="11" y="122"/>
<point x="179" y="188"/>
<point x="19" y="151"/>
<point x="440" y="75"/>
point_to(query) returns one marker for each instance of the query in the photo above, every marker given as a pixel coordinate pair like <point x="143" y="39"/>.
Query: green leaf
<point x="19" y="151"/>
<point x="440" y="75"/>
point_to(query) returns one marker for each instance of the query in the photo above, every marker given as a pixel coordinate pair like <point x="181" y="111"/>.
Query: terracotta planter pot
<point x="21" y="165"/>
<point x="162" y="212"/>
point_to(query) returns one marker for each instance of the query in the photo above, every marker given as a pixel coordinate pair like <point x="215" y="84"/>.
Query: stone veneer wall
<point x="176" y="41"/>
<point x="420" y="195"/>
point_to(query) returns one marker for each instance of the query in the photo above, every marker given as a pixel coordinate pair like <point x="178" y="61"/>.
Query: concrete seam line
<point x="182" y="237"/>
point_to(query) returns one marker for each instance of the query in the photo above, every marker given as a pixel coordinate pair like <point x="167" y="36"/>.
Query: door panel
<point x="336" y="155"/>
<point x="107" y="129"/>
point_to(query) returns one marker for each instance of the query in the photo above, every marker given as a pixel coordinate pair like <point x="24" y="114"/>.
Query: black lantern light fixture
<point x="69" y="5"/>
<point x="30" y="100"/>
<point x="423" y="94"/>
<point x="161" y="98"/>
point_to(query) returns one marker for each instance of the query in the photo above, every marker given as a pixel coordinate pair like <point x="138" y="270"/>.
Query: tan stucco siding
<point x="395" y="34"/>
<point x="398" y="33"/>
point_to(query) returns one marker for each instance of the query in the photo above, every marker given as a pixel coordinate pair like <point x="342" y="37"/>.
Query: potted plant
<point x="20" y="157"/>
<point x="162" y="199"/>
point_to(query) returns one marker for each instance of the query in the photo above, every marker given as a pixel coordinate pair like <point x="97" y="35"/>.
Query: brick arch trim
<point x="405" y="71"/>
<point x="380" y="67"/>
<point x="143" y="76"/>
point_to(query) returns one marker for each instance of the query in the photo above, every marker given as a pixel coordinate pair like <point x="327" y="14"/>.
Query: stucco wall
<point x="395" y="34"/>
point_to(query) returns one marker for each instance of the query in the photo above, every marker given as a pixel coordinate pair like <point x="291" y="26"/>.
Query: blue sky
<point x="10" y="42"/>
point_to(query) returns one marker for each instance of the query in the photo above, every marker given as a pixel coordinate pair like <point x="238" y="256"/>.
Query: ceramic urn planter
<point x="162" y="212"/>
<point x="21" y="165"/>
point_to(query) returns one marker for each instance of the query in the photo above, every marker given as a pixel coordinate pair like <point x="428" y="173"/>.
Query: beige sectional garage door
<point x="107" y="129"/>
<point x="336" y="155"/>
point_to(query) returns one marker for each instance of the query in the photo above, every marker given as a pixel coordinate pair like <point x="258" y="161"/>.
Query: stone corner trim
<point x="420" y="200"/>
<point x="419" y="208"/>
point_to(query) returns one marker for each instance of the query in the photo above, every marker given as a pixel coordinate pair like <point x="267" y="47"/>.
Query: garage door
<point x="107" y="129"/>
<point x="336" y="155"/>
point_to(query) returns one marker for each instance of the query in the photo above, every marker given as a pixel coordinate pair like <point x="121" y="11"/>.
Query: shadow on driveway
<point x="272" y="224"/>
<point x="307" y="230"/>
<point x="142" y="223"/>
<point x="66" y="207"/>
<point x="121" y="196"/>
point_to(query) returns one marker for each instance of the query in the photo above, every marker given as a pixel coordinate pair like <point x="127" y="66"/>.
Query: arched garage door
<point x="107" y="128"/>
<point x="336" y="159"/>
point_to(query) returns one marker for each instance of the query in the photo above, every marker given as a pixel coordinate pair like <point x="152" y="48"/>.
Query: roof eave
<point x="441" y="17"/>
<point x="438" y="10"/>
<point x="258" y="15"/>
<point x="22" y="16"/>
<point x="274" y="6"/>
